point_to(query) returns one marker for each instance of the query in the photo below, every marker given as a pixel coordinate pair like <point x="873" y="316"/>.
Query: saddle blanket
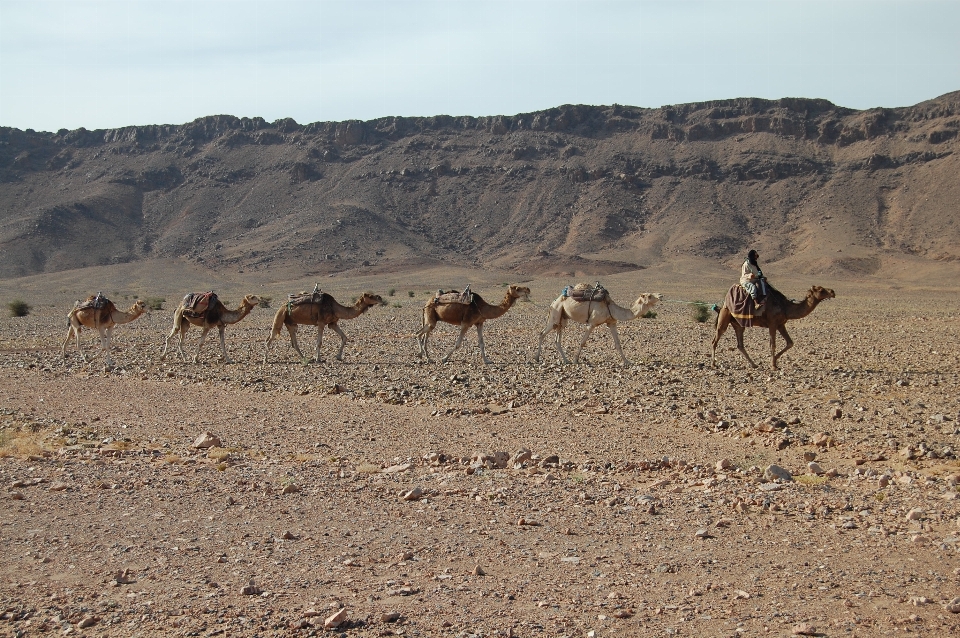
<point x="741" y="306"/>
<point x="586" y="292"/>
<point x="453" y="296"/>
<point x="96" y="301"/>
<point x="198" y="302"/>
<point x="304" y="297"/>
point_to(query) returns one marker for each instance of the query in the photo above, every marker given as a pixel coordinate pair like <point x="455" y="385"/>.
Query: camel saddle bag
<point x="301" y="298"/>
<point x="586" y="292"/>
<point x="196" y="303"/>
<point x="96" y="302"/>
<point x="453" y="296"/>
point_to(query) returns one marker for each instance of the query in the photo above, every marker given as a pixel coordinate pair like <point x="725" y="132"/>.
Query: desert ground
<point x="384" y="495"/>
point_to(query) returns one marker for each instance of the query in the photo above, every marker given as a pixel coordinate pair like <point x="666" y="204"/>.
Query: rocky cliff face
<point x="582" y="188"/>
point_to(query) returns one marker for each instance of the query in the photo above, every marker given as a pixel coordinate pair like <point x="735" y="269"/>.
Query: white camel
<point x="593" y="313"/>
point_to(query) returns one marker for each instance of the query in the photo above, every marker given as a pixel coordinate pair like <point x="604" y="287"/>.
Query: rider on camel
<point x="751" y="278"/>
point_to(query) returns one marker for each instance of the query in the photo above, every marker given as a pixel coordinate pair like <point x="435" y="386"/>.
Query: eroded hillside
<point x="575" y="188"/>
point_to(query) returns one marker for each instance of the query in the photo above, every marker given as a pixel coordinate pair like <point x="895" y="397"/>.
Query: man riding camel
<point x="752" y="280"/>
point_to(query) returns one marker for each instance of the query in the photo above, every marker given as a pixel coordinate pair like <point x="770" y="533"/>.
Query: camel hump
<point x="586" y="292"/>
<point x="454" y="297"/>
<point x="96" y="302"/>
<point x="199" y="302"/>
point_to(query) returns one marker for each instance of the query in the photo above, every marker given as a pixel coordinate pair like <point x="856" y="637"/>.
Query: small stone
<point x="413" y="495"/>
<point x="58" y="486"/>
<point x="123" y="577"/>
<point x="288" y="536"/>
<point x="250" y="589"/>
<point x="290" y="489"/>
<point x="821" y="439"/>
<point x="478" y="571"/>
<point x="814" y="468"/>
<point x="390" y="616"/>
<point x="953" y="606"/>
<point x="809" y="456"/>
<point x="520" y="456"/>
<point x="88" y="621"/>
<point x="915" y="514"/>
<point x="883" y="481"/>
<point x="741" y="594"/>
<point x="395" y="469"/>
<point x="405" y="556"/>
<point x="16" y="496"/>
<point x="703" y="534"/>
<point x="335" y="620"/>
<point x="303" y="623"/>
<point x="550" y="461"/>
<point x="207" y="440"/>
<point x="622" y="613"/>
<point x="724" y="464"/>
<point x="775" y="472"/>
<point x="836" y="413"/>
<point x="804" y="629"/>
<point x="723" y="522"/>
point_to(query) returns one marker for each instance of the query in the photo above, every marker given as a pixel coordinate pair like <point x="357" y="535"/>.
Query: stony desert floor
<point x="384" y="495"/>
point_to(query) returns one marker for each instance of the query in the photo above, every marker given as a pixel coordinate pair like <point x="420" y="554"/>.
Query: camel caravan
<point x="586" y="304"/>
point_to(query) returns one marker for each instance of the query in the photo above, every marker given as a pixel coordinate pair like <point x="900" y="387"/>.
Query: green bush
<point x="265" y="301"/>
<point x="649" y="315"/>
<point x="19" y="308"/>
<point x="410" y="293"/>
<point x="392" y="292"/>
<point x="154" y="303"/>
<point x="700" y="311"/>
<point x="397" y="304"/>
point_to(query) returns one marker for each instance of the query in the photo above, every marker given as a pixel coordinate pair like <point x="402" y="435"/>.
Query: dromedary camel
<point x="779" y="310"/>
<point x="216" y="315"/>
<point x="321" y="313"/>
<point x="466" y="316"/>
<point x="102" y="319"/>
<point x="593" y="313"/>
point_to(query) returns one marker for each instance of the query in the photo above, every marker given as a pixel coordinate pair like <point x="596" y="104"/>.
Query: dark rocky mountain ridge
<point x="591" y="189"/>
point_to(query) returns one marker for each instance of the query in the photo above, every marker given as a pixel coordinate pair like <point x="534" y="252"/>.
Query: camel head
<point x="645" y="302"/>
<point x="519" y="292"/>
<point x="368" y="300"/>
<point x="819" y="293"/>
<point x="251" y="301"/>
<point x="138" y="308"/>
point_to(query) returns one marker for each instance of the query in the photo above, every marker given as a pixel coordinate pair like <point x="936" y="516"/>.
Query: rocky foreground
<point x="386" y="496"/>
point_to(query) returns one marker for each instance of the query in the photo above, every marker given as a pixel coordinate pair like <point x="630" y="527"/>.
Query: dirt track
<point x="634" y="530"/>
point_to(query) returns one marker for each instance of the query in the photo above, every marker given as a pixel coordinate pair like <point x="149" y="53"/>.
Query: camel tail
<point x="281" y="318"/>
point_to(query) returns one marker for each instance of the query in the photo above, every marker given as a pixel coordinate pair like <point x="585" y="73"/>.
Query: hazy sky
<point x="111" y="63"/>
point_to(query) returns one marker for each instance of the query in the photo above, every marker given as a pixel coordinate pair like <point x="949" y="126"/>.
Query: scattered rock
<point x="250" y="589"/>
<point x="336" y="619"/>
<point x="804" y="629"/>
<point x="207" y="440"/>
<point x="775" y="472"/>
<point x="412" y="495"/>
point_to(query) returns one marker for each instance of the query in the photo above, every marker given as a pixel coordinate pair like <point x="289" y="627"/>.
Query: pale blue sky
<point x="112" y="63"/>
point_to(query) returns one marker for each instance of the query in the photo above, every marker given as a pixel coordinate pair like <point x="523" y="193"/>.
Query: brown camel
<point x="216" y="315"/>
<point x="779" y="310"/>
<point x="466" y="316"/>
<point x="593" y="313"/>
<point x="324" y="312"/>
<point x="102" y="319"/>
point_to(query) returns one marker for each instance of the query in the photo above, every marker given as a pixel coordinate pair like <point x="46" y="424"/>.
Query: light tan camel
<point x="216" y="315"/>
<point x="325" y="312"/>
<point x="102" y="319"/>
<point x="466" y="316"/>
<point x="593" y="313"/>
<point x="779" y="310"/>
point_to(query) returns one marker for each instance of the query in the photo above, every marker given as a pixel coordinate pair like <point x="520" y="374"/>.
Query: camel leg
<point x="266" y="347"/>
<point x="320" y="327"/>
<point x="178" y="327"/>
<point x="738" y="329"/>
<point x="292" y="330"/>
<point x="223" y="345"/>
<point x="616" y="343"/>
<point x="723" y="321"/>
<point x="105" y="335"/>
<point x="559" y="343"/>
<point x="576" y="358"/>
<point x="551" y="324"/>
<point x="71" y="331"/>
<point x="786" y="337"/>
<point x="422" y="336"/>
<point x="483" y="352"/>
<point x="463" y="331"/>
<point x="343" y="339"/>
<point x="203" y="336"/>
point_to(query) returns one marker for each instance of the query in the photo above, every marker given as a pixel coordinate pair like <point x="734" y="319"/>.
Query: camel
<point x="466" y="316"/>
<point x="322" y="313"/>
<point x="216" y="315"/>
<point x="593" y="313"/>
<point x="779" y="310"/>
<point x="102" y="319"/>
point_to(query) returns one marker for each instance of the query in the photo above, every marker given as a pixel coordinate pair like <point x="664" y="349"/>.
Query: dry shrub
<point x="17" y="443"/>
<point x="368" y="468"/>
<point x="811" y="479"/>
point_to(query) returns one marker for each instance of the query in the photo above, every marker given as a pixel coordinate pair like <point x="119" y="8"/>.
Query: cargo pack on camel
<point x="584" y="292"/>
<point x="453" y="296"/>
<point x="300" y="298"/>
<point x="194" y="304"/>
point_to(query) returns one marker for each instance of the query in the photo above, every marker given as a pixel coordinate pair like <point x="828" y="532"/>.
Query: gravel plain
<point x="386" y="496"/>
